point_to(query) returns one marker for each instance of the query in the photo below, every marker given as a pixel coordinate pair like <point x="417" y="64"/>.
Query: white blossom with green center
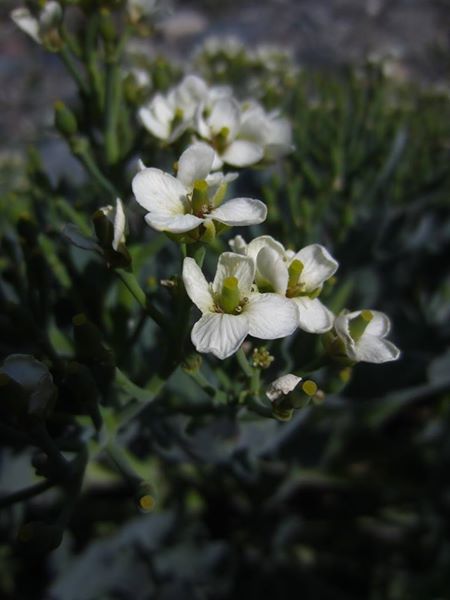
<point x="37" y="27"/>
<point x="192" y="198"/>
<point x="363" y="334"/>
<point x="298" y="276"/>
<point x="168" y="116"/>
<point x="232" y="309"/>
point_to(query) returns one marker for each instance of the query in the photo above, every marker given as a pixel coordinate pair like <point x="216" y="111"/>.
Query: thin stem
<point x="135" y="289"/>
<point x="26" y="493"/>
<point x="202" y="382"/>
<point x="118" y="458"/>
<point x="87" y="160"/>
<point x="71" y="66"/>
<point x="112" y="109"/>
<point x="243" y="363"/>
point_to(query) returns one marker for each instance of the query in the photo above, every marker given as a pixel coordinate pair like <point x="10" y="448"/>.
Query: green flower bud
<point x="192" y="363"/>
<point x="145" y="498"/>
<point x="65" y="120"/>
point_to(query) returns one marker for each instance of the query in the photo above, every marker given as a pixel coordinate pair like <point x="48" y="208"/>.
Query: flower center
<point x="229" y="300"/>
<point x="199" y="200"/>
<point x="358" y="325"/>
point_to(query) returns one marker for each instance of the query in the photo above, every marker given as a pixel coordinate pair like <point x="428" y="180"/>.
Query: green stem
<point x="89" y="163"/>
<point x="119" y="460"/>
<point x="135" y="289"/>
<point x="244" y="364"/>
<point x="202" y="382"/>
<point x="71" y="66"/>
<point x="90" y="48"/>
<point x="113" y="96"/>
<point x="26" y="493"/>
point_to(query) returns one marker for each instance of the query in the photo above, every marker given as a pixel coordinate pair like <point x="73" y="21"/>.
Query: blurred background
<point x="351" y="499"/>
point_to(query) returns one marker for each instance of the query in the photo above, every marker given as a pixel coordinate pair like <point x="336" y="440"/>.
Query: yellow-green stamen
<point x="200" y="197"/>
<point x="358" y="325"/>
<point x="230" y="296"/>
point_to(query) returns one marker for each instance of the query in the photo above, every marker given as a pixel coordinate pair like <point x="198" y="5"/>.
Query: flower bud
<point x="144" y="497"/>
<point x="65" y="120"/>
<point x="192" y="363"/>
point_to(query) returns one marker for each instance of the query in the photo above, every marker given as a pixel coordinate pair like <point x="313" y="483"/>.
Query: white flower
<point x="182" y="203"/>
<point x="36" y="27"/>
<point x="230" y="308"/>
<point x="282" y="386"/>
<point x="269" y="130"/>
<point x="220" y="124"/>
<point x="168" y="116"/>
<point x="140" y="9"/>
<point x="243" y="135"/>
<point x="299" y="276"/>
<point x="116" y="216"/>
<point x="363" y="335"/>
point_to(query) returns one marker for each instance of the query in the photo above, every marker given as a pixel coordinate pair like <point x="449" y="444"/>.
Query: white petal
<point x="159" y="129"/>
<point x="189" y="93"/>
<point x="238" y="244"/>
<point x="23" y="18"/>
<point x="264" y="241"/>
<point x="373" y="349"/>
<point x="341" y="326"/>
<point x="314" y="317"/>
<point x="380" y="324"/>
<point x="195" y="163"/>
<point x="241" y="153"/>
<point x="196" y="286"/>
<point x="119" y="225"/>
<point x="273" y="152"/>
<point x="282" y="386"/>
<point x="51" y="14"/>
<point x="271" y="316"/>
<point x="172" y="223"/>
<point x="271" y="268"/>
<point x="234" y="265"/>
<point x="159" y="192"/>
<point x="225" y="114"/>
<point x="240" y="211"/>
<point x="318" y="266"/>
<point x="200" y="123"/>
<point x="219" y="334"/>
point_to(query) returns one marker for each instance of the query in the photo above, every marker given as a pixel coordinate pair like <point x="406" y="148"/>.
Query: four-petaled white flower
<point x="220" y="124"/>
<point x="182" y="203"/>
<point x="232" y="309"/>
<point x="269" y="130"/>
<point x="363" y="334"/>
<point x="282" y="386"/>
<point x="36" y="27"/>
<point x="299" y="276"/>
<point x="117" y="217"/>
<point x="168" y="116"/>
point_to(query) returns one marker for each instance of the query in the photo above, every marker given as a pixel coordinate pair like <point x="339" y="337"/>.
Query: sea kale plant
<point x="166" y="314"/>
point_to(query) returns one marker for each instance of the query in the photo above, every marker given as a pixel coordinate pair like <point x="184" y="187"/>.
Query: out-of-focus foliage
<point x="351" y="498"/>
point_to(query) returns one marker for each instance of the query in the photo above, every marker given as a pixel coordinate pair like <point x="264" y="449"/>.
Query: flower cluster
<point x="191" y="201"/>
<point x="260" y="280"/>
<point x="241" y="134"/>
